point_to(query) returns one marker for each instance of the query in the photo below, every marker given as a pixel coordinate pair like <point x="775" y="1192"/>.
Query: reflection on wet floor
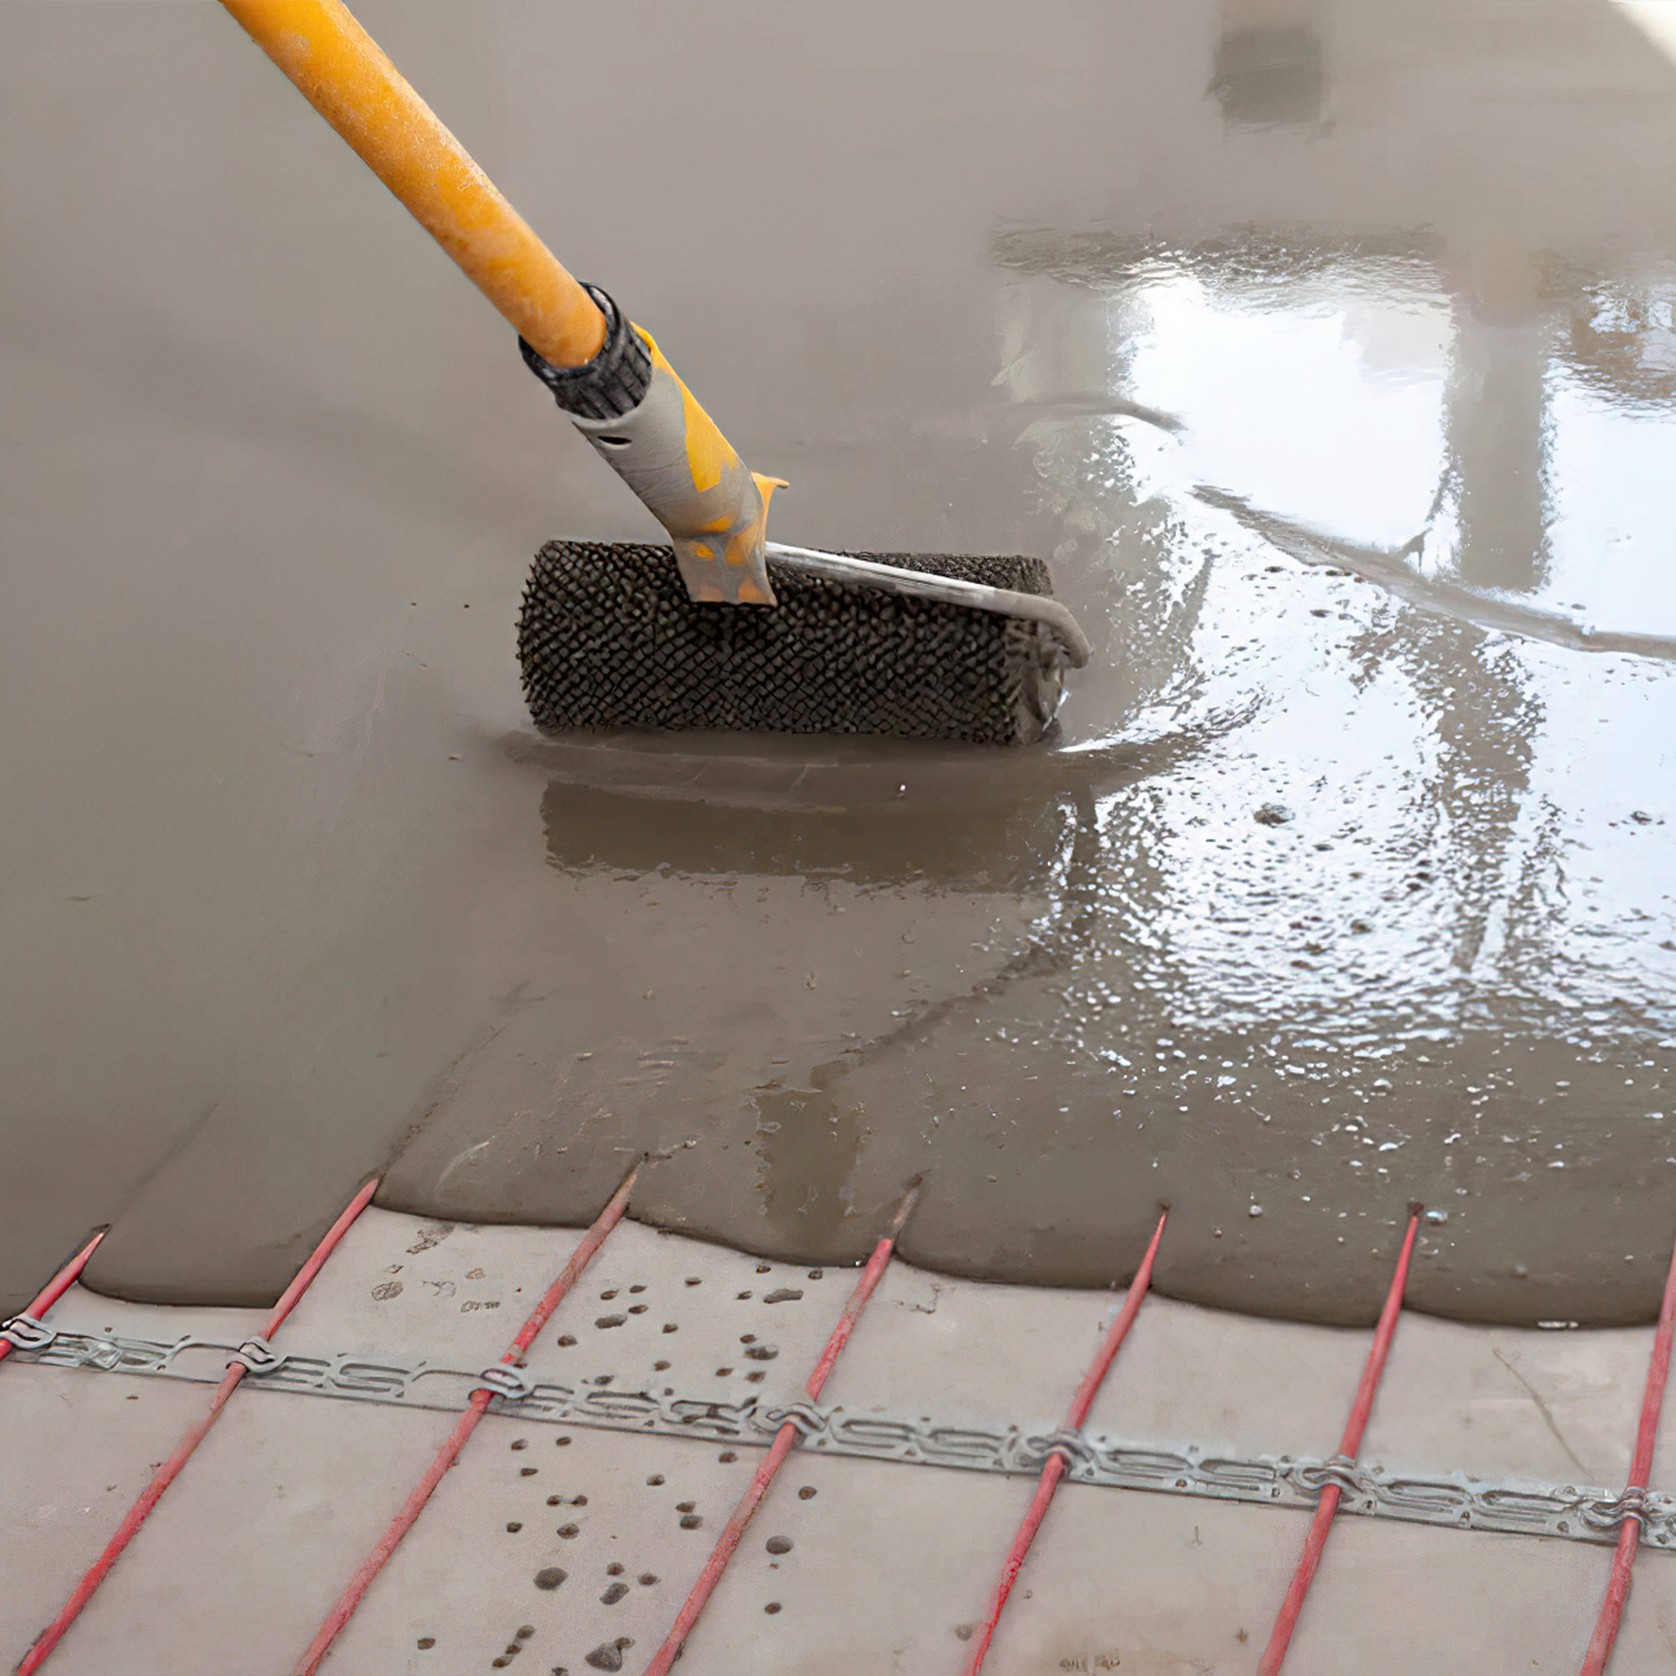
<point x="1505" y="443"/>
<point x="1327" y="349"/>
<point x="1008" y="845"/>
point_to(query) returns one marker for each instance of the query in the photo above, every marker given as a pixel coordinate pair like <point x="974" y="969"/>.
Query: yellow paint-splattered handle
<point x="669" y="451"/>
<point x="659" y="439"/>
<point x="338" y="67"/>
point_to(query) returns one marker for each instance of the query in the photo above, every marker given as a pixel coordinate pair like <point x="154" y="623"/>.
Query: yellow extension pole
<point x="338" y="67"/>
<point x="660" y="441"/>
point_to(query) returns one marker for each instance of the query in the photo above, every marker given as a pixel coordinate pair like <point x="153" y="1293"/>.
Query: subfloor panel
<point x="1647" y="1641"/>
<point x="244" y="1556"/>
<point x="1148" y="1585"/>
<point x="1391" y="1600"/>
<point x="79" y="1446"/>
<point x="550" y="1548"/>
<point x="858" y="1567"/>
<point x="557" y="1546"/>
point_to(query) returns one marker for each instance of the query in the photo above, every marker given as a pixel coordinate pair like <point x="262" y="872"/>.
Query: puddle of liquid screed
<point x="1328" y="352"/>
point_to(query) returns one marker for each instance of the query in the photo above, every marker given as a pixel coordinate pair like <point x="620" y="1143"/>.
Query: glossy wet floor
<point x="1325" y="348"/>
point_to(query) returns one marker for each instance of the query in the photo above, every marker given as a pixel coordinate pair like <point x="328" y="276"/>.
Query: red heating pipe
<point x="56" y="1287"/>
<point x="1054" y="1469"/>
<point x="784" y="1439"/>
<point x="1315" y="1544"/>
<point x="184" y="1450"/>
<point x="446" y="1456"/>
<point x="1640" y="1470"/>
